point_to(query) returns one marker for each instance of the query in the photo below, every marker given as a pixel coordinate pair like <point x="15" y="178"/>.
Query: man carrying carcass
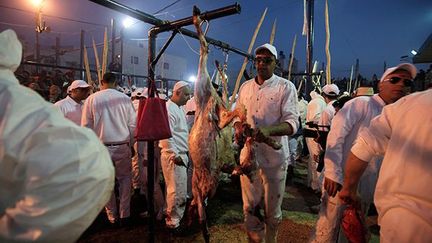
<point x="271" y="104"/>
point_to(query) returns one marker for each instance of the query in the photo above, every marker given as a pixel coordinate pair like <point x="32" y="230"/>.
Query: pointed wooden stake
<point x="98" y="69"/>
<point x="292" y="57"/>
<point x="272" y="36"/>
<point x="105" y="53"/>
<point x="87" y="67"/>
<point x="246" y="60"/>
<point x="327" y="49"/>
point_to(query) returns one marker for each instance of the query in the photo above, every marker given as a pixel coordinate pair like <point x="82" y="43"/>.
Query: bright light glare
<point x="192" y="78"/>
<point x="128" y="22"/>
<point x="414" y="52"/>
<point x="37" y="3"/>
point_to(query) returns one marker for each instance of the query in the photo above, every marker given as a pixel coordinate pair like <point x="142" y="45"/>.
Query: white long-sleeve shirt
<point x="402" y="133"/>
<point x="111" y="115"/>
<point x="352" y="118"/>
<point x="327" y="115"/>
<point x="55" y="177"/>
<point x="70" y="109"/>
<point x="315" y="108"/>
<point x="272" y="103"/>
<point x="178" y="143"/>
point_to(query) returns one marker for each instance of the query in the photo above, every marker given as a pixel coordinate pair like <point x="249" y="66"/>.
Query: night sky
<point x="373" y="31"/>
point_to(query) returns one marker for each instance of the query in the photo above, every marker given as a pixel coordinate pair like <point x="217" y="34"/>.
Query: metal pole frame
<point x="163" y="26"/>
<point x="309" y="49"/>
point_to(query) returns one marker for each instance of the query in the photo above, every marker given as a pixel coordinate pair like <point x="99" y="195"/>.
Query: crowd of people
<point x="60" y="161"/>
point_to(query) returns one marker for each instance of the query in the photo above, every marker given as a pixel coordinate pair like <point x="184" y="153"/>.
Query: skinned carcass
<point x="209" y="134"/>
<point x="211" y="137"/>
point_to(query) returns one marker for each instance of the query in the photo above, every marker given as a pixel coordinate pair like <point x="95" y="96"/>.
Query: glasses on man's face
<point x="265" y="60"/>
<point x="395" y="80"/>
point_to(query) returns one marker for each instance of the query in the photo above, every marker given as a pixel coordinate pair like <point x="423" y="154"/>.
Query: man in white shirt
<point x="402" y="134"/>
<point x="313" y="115"/>
<point x="55" y="177"/>
<point x="330" y="93"/>
<point x="271" y="104"/>
<point x="355" y="116"/>
<point x="71" y="106"/>
<point x="110" y="114"/>
<point x="174" y="156"/>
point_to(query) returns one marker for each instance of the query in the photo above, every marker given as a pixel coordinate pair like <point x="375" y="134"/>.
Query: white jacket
<point x="55" y="176"/>
<point x="352" y="118"/>
<point x="315" y="107"/>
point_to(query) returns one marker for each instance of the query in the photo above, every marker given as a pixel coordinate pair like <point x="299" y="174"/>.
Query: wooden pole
<point x="246" y="60"/>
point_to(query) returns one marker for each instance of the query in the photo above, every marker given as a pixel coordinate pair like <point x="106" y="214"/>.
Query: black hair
<point x="109" y="78"/>
<point x="340" y="102"/>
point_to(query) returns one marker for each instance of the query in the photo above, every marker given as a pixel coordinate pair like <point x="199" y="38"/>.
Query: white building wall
<point x="135" y="56"/>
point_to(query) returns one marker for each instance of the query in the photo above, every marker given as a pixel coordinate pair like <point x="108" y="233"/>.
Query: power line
<point x="169" y="5"/>
<point x="53" y="16"/>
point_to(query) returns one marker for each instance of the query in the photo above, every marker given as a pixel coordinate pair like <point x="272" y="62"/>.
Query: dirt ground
<point x="224" y="218"/>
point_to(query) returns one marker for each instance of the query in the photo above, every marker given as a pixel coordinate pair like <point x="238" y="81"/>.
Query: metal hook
<point x="207" y="26"/>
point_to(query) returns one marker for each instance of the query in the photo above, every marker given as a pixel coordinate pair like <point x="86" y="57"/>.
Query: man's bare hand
<point x="331" y="187"/>
<point x="178" y="161"/>
<point x="349" y="196"/>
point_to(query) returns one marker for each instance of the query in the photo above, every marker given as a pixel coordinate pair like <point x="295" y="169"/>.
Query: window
<point x="140" y="44"/>
<point x="134" y="60"/>
<point x="166" y="65"/>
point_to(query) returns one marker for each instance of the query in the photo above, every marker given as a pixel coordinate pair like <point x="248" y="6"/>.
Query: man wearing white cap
<point x="355" y="116"/>
<point x="330" y="92"/>
<point x="271" y="104"/>
<point x="403" y="198"/>
<point x="71" y="106"/>
<point x="174" y="156"/>
<point x="55" y="177"/>
<point x="110" y="114"/>
<point x="313" y="115"/>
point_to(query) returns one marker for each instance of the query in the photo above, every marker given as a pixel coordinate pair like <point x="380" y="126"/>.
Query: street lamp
<point x="37" y="3"/>
<point x="40" y="27"/>
<point x="127" y="22"/>
<point x="192" y="79"/>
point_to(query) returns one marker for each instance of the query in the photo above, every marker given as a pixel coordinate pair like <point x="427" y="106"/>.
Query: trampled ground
<point x="224" y="217"/>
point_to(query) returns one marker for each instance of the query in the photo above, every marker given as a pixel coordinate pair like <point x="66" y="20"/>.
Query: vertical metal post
<point x="82" y="55"/>
<point x="309" y="48"/>
<point x="37" y="56"/>
<point x="150" y="144"/>
<point x="57" y="51"/>
<point x="121" y="50"/>
<point x="113" y="32"/>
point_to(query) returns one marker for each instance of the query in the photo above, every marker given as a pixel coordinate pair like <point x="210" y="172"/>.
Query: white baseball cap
<point x="331" y="90"/>
<point x="179" y="85"/>
<point x="403" y="66"/>
<point x="78" y="84"/>
<point x="268" y="47"/>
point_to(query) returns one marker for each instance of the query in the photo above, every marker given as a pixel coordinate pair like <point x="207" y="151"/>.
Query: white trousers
<point x="176" y="189"/>
<point x="314" y="178"/>
<point x="267" y="184"/>
<point x="121" y="157"/>
<point x="293" y="150"/>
